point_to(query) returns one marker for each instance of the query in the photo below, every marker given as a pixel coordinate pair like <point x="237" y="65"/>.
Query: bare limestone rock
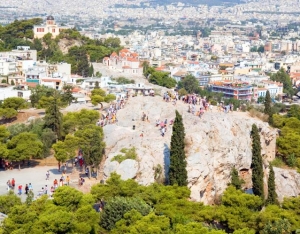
<point x="214" y="144"/>
<point x="287" y="183"/>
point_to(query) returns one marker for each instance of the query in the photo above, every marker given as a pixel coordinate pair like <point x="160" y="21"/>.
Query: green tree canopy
<point x="19" y="148"/>
<point x="117" y="207"/>
<point x="15" y="103"/>
<point x="91" y="143"/>
<point x="189" y="83"/>
<point x="283" y="77"/>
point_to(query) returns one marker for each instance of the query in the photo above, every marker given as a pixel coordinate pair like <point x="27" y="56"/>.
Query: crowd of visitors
<point x="111" y="116"/>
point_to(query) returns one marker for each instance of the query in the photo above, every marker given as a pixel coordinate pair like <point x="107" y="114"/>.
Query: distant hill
<point x="197" y="2"/>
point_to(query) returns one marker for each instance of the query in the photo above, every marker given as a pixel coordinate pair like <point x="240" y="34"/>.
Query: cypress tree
<point x="272" y="196"/>
<point x="257" y="164"/>
<point x="53" y="116"/>
<point x="235" y="179"/>
<point x="268" y="108"/>
<point x="177" y="171"/>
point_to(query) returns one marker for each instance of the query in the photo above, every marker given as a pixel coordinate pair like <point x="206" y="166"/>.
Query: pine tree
<point x="177" y="171"/>
<point x="257" y="164"/>
<point x="268" y="108"/>
<point x="272" y="196"/>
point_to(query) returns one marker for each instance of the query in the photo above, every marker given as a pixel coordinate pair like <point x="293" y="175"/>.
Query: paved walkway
<point x="34" y="175"/>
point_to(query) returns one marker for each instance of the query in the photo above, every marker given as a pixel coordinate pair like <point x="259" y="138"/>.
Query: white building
<point x="90" y="83"/>
<point x="8" y="92"/>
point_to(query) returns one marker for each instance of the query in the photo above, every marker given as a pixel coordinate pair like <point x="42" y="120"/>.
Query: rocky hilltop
<point x="214" y="144"/>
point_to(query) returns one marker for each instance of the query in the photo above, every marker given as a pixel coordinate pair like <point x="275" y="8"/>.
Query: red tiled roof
<point x="51" y="80"/>
<point x="114" y="54"/>
<point x="124" y="51"/>
<point x="132" y="60"/>
<point x="31" y="84"/>
<point x="160" y="68"/>
<point x="76" y="90"/>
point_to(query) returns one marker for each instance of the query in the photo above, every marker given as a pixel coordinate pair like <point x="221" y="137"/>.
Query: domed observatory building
<point x="50" y="27"/>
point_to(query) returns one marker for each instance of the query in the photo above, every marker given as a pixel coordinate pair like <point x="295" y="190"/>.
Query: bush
<point x="291" y="160"/>
<point x="213" y="102"/>
<point x="128" y="154"/>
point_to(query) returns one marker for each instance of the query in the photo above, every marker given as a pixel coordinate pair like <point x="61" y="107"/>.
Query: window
<point x="53" y="30"/>
<point x="40" y="29"/>
<point x="20" y="94"/>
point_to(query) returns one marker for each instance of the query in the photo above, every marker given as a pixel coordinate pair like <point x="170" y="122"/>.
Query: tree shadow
<point x="166" y="162"/>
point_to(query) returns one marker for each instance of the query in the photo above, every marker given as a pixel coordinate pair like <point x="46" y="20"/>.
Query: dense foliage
<point x="133" y="208"/>
<point x="283" y="77"/>
<point x="158" y="77"/>
<point x="99" y="95"/>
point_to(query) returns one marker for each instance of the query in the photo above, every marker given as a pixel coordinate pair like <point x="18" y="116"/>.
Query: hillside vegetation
<point x="70" y="46"/>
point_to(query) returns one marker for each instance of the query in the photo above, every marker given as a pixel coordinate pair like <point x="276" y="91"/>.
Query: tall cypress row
<point x="268" y="108"/>
<point x="272" y="195"/>
<point x="257" y="164"/>
<point x="177" y="171"/>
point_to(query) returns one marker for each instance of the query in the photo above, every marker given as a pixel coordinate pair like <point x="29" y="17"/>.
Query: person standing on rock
<point x="163" y="131"/>
<point x="8" y="184"/>
<point x="47" y="175"/>
<point x="26" y="189"/>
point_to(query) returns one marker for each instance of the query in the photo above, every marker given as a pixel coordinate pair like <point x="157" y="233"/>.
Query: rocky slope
<point x="214" y="144"/>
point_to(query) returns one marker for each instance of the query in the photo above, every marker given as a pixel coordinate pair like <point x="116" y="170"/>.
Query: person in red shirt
<point x="20" y="189"/>
<point x="13" y="183"/>
<point x="55" y="183"/>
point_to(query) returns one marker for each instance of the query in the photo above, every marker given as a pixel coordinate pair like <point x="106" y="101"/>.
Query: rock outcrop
<point x="287" y="183"/>
<point x="214" y="144"/>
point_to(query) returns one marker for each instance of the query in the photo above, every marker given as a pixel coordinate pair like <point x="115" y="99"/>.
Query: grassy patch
<point x="127" y="154"/>
<point x="277" y="162"/>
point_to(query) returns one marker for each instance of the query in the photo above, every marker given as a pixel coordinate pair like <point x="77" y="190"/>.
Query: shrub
<point x="127" y="154"/>
<point x="213" y="102"/>
<point x="277" y="162"/>
<point x="291" y="160"/>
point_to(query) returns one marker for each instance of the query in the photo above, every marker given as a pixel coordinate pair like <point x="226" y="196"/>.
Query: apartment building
<point x="239" y="91"/>
<point x="7" y="66"/>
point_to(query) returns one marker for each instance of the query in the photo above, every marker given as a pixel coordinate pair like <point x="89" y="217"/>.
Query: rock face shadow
<point x="166" y="162"/>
